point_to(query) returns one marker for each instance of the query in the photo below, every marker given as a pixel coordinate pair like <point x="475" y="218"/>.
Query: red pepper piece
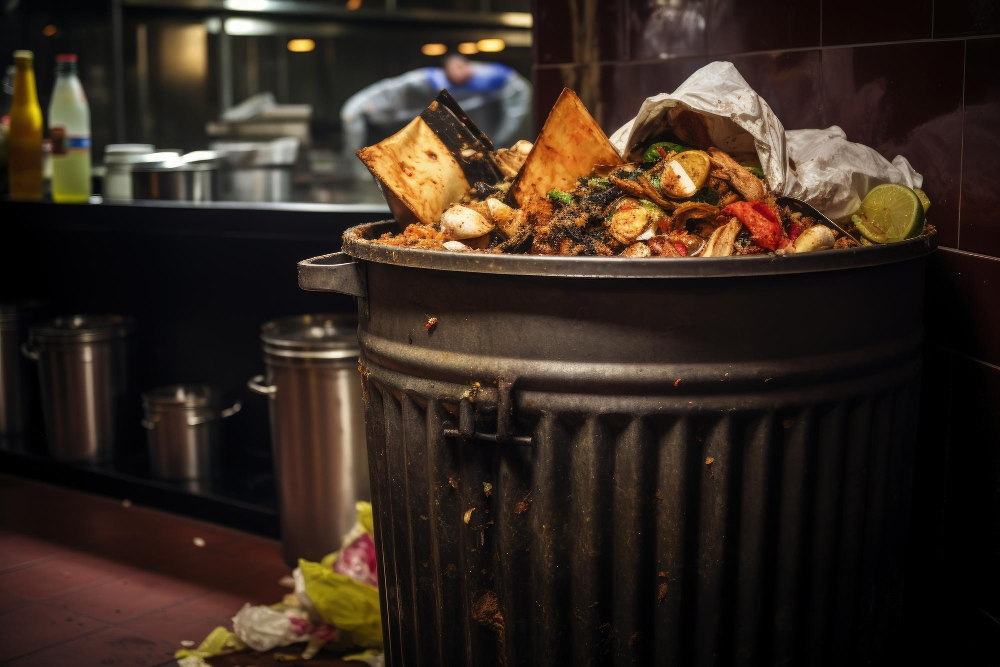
<point x="761" y="219"/>
<point x="681" y="248"/>
<point x="662" y="152"/>
<point x="794" y="230"/>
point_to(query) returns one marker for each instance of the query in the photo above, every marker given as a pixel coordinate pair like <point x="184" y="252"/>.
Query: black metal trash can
<point x="601" y="461"/>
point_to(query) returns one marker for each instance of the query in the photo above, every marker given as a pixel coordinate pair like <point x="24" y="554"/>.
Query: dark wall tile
<point x="904" y="99"/>
<point x="981" y="158"/>
<point x="791" y="82"/>
<point x="658" y="29"/>
<point x="864" y="21"/>
<point x="972" y="523"/>
<point x="963" y="309"/>
<point x="966" y="17"/>
<point x="603" y="89"/>
<point x="579" y="31"/>
<point x="738" y="26"/>
<point x="650" y="79"/>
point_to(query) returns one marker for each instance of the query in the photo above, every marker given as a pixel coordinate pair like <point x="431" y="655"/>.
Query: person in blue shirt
<point x="497" y="98"/>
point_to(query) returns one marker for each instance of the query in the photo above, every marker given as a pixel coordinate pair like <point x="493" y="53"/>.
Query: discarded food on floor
<point x="335" y="606"/>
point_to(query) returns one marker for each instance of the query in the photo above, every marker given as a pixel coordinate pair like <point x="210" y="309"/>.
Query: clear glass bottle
<point x="25" y="139"/>
<point x="69" y="131"/>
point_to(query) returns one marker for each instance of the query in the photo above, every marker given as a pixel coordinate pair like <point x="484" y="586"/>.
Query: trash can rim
<point x="357" y="242"/>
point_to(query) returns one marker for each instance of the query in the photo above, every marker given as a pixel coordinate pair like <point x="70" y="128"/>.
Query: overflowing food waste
<point x="675" y="194"/>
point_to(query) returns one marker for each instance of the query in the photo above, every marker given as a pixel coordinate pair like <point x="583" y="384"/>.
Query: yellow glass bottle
<point x="25" y="138"/>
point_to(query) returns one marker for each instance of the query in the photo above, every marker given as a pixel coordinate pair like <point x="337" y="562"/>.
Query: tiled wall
<point x="919" y="78"/>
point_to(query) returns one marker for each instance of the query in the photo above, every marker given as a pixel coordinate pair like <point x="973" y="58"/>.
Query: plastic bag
<point x="263" y="628"/>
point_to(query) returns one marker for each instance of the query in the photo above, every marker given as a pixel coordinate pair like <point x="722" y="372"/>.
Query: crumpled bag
<point x="834" y="174"/>
<point x="263" y="628"/>
<point x="819" y="166"/>
<point x="734" y="117"/>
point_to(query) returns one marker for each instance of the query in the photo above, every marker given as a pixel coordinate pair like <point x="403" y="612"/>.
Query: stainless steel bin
<point x="17" y="391"/>
<point x="182" y="430"/>
<point x="317" y="429"/>
<point x="84" y="370"/>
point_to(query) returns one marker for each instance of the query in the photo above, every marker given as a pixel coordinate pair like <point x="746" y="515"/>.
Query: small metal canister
<point x="85" y="373"/>
<point x="182" y="430"/>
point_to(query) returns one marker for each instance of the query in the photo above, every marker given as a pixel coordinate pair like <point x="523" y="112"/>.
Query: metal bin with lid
<point x="317" y="429"/>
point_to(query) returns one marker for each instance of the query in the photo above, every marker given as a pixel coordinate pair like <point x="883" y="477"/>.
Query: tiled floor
<point x="89" y="581"/>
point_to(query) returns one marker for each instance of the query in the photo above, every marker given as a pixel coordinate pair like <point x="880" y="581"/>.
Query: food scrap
<point x="674" y="198"/>
<point x="430" y="323"/>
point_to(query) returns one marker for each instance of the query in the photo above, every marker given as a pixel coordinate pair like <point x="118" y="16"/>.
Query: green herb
<point x="756" y="171"/>
<point x="652" y="208"/>
<point x="560" y="196"/>
<point x="652" y="154"/>
<point x="598" y="182"/>
<point x="706" y="195"/>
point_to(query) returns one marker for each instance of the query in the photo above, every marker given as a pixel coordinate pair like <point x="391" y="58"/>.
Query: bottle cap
<point x="23" y="56"/>
<point x="66" y="58"/>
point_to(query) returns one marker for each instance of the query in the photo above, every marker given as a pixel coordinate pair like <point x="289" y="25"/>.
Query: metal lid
<point x="82" y="328"/>
<point x="193" y="161"/>
<point x="181" y="396"/>
<point x="16" y="311"/>
<point x="358" y="244"/>
<point x="316" y="336"/>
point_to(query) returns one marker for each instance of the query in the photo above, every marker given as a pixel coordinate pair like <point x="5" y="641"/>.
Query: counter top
<point x="291" y="221"/>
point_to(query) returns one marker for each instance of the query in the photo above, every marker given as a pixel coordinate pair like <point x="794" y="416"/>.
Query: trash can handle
<point x="256" y="385"/>
<point x="504" y="414"/>
<point x="336" y="272"/>
<point x="30" y="352"/>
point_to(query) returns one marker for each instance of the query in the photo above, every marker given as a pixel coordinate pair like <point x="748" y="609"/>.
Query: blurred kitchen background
<point x="237" y="75"/>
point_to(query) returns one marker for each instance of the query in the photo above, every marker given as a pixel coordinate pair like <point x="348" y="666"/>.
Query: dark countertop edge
<point x="304" y="222"/>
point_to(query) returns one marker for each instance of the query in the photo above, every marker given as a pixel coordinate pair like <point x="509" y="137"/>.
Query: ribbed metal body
<point x="700" y="471"/>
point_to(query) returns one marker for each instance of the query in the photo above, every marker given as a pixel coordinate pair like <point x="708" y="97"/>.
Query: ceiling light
<point x="434" y="49"/>
<point x="468" y="48"/>
<point x="490" y="45"/>
<point x="301" y="45"/>
<point x="49" y="30"/>
<point x="352" y="5"/>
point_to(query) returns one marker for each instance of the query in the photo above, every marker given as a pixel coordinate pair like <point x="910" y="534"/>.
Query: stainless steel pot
<point x="191" y="177"/>
<point x="182" y="430"/>
<point x="317" y="429"/>
<point x="119" y="159"/>
<point x="16" y="388"/>
<point x="84" y="369"/>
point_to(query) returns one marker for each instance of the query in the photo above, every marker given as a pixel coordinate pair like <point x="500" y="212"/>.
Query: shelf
<point x="300" y="222"/>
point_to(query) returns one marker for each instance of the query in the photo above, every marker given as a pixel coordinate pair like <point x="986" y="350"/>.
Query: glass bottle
<point x="25" y="138"/>
<point x="69" y="132"/>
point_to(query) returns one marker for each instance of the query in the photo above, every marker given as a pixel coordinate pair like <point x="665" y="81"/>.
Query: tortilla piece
<point x="431" y="162"/>
<point x="570" y="144"/>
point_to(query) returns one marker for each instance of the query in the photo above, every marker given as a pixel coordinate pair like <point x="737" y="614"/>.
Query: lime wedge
<point x="890" y="213"/>
<point x="925" y="201"/>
